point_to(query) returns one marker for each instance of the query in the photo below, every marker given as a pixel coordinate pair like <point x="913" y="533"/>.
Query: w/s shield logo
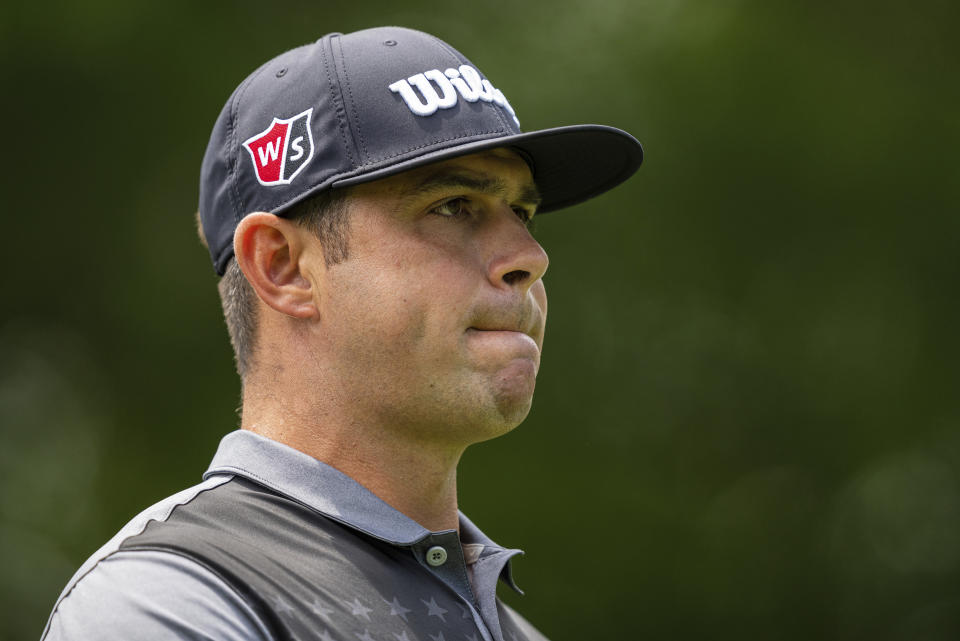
<point x="281" y="150"/>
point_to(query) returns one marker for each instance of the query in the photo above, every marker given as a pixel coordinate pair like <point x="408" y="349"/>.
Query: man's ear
<point x="269" y="251"/>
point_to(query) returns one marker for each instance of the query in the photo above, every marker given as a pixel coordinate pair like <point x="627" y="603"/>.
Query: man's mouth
<point x="504" y="334"/>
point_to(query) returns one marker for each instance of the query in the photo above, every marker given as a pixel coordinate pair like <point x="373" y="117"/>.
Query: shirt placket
<point x="442" y="555"/>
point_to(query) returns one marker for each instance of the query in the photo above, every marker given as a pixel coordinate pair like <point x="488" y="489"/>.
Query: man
<point x="365" y="199"/>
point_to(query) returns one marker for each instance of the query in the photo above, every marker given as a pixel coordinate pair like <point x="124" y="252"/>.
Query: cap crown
<point x="344" y="109"/>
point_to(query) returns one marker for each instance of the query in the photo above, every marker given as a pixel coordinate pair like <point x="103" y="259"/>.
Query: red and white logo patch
<point x="282" y="150"/>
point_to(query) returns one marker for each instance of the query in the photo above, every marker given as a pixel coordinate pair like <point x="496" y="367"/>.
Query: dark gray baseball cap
<point x="362" y="106"/>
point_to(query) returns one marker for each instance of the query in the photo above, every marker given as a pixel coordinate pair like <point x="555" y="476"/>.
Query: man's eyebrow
<point x="454" y="178"/>
<point x="530" y="195"/>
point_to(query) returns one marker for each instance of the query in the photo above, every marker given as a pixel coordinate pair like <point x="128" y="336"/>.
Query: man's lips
<point x="505" y="335"/>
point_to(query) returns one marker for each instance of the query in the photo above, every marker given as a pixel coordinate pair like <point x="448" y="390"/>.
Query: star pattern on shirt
<point x="358" y="609"/>
<point x="321" y="611"/>
<point x="396" y="609"/>
<point x="283" y="606"/>
<point x="434" y="610"/>
<point x="379" y="622"/>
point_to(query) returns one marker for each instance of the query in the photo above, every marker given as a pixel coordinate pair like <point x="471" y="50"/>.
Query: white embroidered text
<point x="464" y="82"/>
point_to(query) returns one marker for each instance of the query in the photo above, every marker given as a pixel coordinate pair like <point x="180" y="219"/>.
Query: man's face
<point x="435" y="321"/>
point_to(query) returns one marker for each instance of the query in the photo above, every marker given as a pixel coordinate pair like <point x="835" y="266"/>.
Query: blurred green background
<point x="747" y="422"/>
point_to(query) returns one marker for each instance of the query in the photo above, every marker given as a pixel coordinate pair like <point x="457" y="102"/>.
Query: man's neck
<point x="416" y="478"/>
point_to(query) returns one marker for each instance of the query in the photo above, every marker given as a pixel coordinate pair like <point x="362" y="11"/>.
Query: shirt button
<point x="436" y="556"/>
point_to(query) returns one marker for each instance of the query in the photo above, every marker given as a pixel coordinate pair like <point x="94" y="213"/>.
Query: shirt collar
<point x="325" y="489"/>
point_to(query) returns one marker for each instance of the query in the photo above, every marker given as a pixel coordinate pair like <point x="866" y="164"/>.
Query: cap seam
<point x="235" y="149"/>
<point x="231" y="156"/>
<point x="339" y="108"/>
<point x="236" y="200"/>
<point x="353" y="104"/>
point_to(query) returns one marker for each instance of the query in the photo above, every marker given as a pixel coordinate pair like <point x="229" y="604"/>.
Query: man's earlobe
<point x="269" y="252"/>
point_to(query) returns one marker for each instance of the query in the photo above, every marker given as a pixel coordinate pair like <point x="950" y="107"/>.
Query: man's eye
<point x="453" y="208"/>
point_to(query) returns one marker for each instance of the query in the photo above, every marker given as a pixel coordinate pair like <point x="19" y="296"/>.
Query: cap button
<point x="436" y="556"/>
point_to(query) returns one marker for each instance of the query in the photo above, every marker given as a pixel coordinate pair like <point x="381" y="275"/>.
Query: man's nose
<point x="518" y="260"/>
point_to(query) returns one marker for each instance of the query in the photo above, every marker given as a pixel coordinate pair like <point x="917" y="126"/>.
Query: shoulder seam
<point x="76" y="579"/>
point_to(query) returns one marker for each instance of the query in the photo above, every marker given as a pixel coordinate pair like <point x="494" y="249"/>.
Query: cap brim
<point x="570" y="164"/>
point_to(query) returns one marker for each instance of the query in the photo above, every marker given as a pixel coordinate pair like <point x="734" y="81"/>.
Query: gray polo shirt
<point x="277" y="545"/>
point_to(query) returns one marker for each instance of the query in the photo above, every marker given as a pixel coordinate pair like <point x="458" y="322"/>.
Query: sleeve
<point x="153" y="596"/>
<point x="530" y="632"/>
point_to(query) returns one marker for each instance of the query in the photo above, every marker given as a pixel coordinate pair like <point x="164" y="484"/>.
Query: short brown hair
<point x="326" y="215"/>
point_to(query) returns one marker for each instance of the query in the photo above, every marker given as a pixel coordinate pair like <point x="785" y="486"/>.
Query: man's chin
<point x="513" y="390"/>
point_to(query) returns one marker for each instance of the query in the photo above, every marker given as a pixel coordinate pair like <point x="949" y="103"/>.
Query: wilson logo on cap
<point x="464" y="82"/>
<point x="282" y="150"/>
